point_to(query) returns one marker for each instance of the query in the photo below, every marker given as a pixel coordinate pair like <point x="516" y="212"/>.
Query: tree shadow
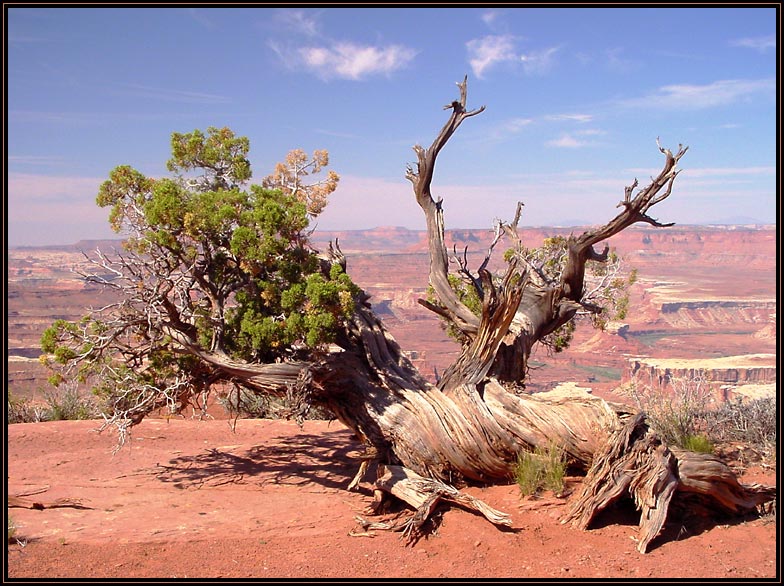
<point x="685" y="520"/>
<point x="324" y="459"/>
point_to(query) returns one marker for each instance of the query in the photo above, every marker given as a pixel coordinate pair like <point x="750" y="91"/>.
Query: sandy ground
<point x="192" y="499"/>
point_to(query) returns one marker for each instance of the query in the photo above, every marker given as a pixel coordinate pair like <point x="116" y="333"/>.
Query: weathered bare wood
<point x="424" y="494"/>
<point x="426" y="440"/>
<point x="421" y="178"/>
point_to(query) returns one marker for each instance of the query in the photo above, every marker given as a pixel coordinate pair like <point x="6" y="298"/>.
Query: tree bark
<point x="425" y="440"/>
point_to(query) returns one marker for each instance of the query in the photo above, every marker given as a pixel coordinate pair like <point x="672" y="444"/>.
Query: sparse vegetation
<point x="676" y="410"/>
<point x="542" y="469"/>
<point x="62" y="404"/>
<point x="751" y="422"/>
<point x="11" y="530"/>
<point x="698" y="443"/>
<point x="241" y="402"/>
<point x="22" y="410"/>
<point x="68" y="404"/>
<point x="684" y="413"/>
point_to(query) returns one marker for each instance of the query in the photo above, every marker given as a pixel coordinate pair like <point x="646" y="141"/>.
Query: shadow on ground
<point x="323" y="459"/>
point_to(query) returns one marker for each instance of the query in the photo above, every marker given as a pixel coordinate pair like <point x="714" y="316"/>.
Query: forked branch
<point x="421" y="179"/>
<point x="636" y="209"/>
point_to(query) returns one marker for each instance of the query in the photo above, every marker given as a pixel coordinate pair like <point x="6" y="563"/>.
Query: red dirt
<point x="192" y="499"/>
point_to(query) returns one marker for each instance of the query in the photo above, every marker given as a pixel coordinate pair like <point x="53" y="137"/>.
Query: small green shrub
<point x="69" y="404"/>
<point x="698" y="443"/>
<point x="11" y="530"/>
<point x="674" y="409"/>
<point x="752" y="422"/>
<point x="542" y="469"/>
<point x="21" y="410"/>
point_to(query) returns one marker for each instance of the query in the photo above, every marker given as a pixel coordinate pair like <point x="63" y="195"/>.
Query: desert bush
<point x="685" y="414"/>
<point x="244" y="403"/>
<point x="67" y="403"/>
<point x="676" y="412"/>
<point x="542" y="469"/>
<point x="698" y="443"/>
<point x="12" y="530"/>
<point x="749" y="421"/>
<point x="22" y="410"/>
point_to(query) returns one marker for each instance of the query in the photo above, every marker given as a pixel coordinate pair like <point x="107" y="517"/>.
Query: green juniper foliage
<point x="211" y="264"/>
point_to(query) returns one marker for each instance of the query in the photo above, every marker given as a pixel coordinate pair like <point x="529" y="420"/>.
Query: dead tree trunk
<point x="425" y="439"/>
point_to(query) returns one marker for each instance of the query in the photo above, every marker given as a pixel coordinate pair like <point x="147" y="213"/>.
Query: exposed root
<point x="424" y="494"/>
<point x="637" y="463"/>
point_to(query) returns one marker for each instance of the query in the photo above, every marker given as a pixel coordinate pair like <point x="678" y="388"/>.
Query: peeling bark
<point x="425" y="440"/>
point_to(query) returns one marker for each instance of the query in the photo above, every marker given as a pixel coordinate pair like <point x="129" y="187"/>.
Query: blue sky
<point x="575" y="100"/>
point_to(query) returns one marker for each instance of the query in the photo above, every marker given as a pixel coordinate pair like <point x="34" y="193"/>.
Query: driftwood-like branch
<point x="636" y="209"/>
<point x="421" y="178"/>
<point x="424" y="494"/>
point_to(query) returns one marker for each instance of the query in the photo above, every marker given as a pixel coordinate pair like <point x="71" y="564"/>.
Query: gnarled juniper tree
<point x="219" y="284"/>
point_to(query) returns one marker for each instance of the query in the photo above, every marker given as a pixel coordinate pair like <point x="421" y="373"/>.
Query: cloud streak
<point x="697" y="97"/>
<point x="352" y="61"/>
<point x="539" y="62"/>
<point x="574" y="140"/>
<point x="298" y="21"/>
<point x="170" y="95"/>
<point x="485" y="53"/>
<point x="761" y="44"/>
<point x="345" y="60"/>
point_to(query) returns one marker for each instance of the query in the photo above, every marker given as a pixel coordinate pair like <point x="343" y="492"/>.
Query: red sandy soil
<point x="191" y="499"/>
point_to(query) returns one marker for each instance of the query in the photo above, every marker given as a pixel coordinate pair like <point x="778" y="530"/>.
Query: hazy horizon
<point x="746" y="223"/>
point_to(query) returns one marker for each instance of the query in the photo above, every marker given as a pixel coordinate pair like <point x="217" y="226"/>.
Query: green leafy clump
<point x="212" y="265"/>
<point x="697" y="443"/>
<point x="605" y="297"/>
<point x="12" y="530"/>
<point x="468" y="296"/>
<point x="542" y="469"/>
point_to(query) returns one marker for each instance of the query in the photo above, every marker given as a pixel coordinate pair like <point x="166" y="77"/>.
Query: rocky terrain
<point x="703" y="293"/>
<point x="197" y="499"/>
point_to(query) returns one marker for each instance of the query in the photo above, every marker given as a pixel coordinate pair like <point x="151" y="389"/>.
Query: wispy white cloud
<point x="696" y="97"/>
<point x="539" y="62"/>
<point x="34" y="160"/>
<point x="576" y="139"/>
<point x="328" y="58"/>
<point x="337" y="134"/>
<point x="488" y="51"/>
<point x="570" y="117"/>
<point x="760" y="171"/>
<point x="761" y="44"/>
<point x="617" y="61"/>
<point x="489" y="16"/>
<point x="172" y="95"/>
<point x="566" y="141"/>
<point x="505" y="129"/>
<point x="347" y="60"/>
<point x="20" y="39"/>
<point x="298" y="21"/>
